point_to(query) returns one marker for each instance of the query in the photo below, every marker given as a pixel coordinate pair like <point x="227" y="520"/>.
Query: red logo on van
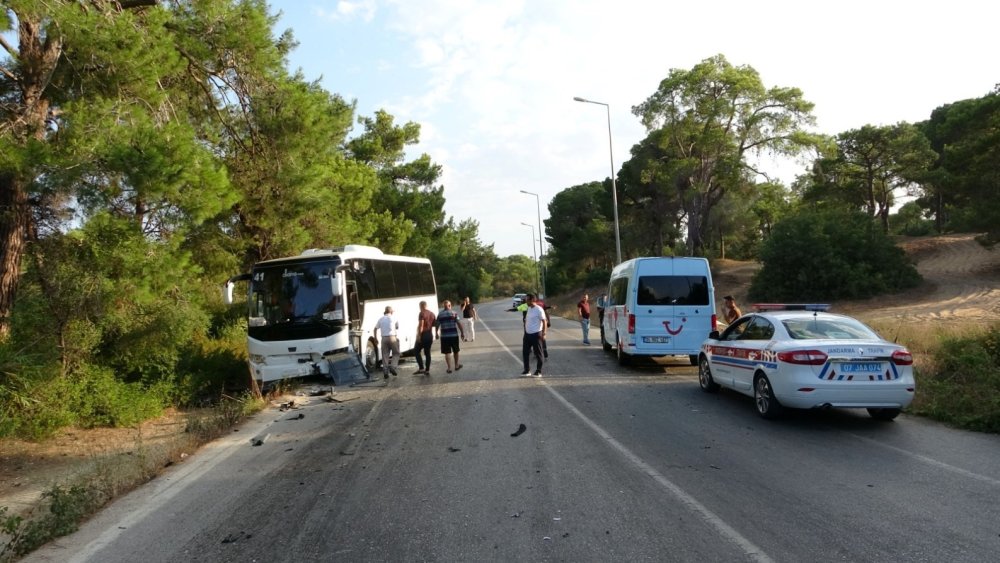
<point x="666" y="325"/>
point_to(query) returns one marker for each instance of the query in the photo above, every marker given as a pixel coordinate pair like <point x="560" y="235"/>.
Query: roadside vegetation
<point x="958" y="375"/>
<point x="66" y="505"/>
<point x="151" y="150"/>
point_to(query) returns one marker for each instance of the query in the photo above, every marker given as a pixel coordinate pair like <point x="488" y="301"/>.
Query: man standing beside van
<point x="534" y="336"/>
<point x="583" y="312"/>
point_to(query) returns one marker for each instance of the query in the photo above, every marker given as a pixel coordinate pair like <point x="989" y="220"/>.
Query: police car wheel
<point x="705" y="380"/>
<point x="763" y="397"/>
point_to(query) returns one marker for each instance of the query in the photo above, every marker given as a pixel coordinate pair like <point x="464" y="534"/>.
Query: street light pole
<point x="614" y="186"/>
<point x="534" y="254"/>
<point x="541" y="237"/>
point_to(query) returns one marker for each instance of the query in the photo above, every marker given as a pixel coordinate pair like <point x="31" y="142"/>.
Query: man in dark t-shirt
<point x="425" y="339"/>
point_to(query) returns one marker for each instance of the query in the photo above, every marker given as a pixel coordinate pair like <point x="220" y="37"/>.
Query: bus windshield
<point x="294" y="292"/>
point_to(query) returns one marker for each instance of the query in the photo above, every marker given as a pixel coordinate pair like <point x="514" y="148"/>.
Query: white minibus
<point x="659" y="307"/>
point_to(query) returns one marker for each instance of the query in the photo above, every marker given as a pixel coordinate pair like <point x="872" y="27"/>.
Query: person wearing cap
<point x="388" y="326"/>
<point x="730" y="311"/>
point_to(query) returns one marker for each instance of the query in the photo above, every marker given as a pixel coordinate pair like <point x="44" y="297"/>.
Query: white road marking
<point x="750" y="549"/>
<point x="930" y="461"/>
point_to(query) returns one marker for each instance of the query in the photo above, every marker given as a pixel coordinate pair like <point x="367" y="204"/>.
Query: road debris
<point x="233" y="538"/>
<point x="259" y="440"/>
<point x="520" y="430"/>
<point x="332" y="399"/>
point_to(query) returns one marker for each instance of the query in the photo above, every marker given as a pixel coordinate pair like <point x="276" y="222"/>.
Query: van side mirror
<point x="714" y="335"/>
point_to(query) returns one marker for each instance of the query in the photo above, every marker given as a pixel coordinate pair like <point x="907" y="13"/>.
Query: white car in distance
<point x="800" y="356"/>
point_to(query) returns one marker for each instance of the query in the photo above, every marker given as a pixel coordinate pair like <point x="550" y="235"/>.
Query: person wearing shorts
<point x="448" y="330"/>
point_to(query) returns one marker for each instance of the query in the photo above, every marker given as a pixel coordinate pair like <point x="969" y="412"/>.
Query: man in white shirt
<point x="534" y="335"/>
<point x="388" y="326"/>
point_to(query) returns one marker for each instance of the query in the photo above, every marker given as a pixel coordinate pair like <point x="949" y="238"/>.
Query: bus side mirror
<point x="227" y="288"/>
<point x="338" y="283"/>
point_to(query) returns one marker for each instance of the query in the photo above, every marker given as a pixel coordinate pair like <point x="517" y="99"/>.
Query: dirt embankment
<point x="961" y="284"/>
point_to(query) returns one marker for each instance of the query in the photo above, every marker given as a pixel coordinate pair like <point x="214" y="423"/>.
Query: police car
<point x="800" y="356"/>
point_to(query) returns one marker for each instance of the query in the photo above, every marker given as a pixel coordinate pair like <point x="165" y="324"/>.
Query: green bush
<point x="32" y="404"/>
<point x="36" y="406"/>
<point x="98" y="399"/>
<point x="830" y="254"/>
<point x="962" y="386"/>
<point x="212" y="365"/>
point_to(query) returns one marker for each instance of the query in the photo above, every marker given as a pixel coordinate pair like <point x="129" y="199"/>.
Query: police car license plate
<point x="656" y="339"/>
<point x="861" y="367"/>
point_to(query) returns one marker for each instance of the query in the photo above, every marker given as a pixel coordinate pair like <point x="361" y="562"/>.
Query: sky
<point x="492" y="83"/>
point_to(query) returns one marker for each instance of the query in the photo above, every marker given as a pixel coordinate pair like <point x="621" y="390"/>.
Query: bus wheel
<point x="371" y="356"/>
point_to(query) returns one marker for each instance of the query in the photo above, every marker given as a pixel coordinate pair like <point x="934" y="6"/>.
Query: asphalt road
<point x="615" y="464"/>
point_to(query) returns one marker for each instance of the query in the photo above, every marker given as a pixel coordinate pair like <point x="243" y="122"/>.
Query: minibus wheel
<point x="623" y="358"/>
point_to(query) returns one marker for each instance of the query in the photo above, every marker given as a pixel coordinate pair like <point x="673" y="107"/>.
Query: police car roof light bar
<point x="762" y="307"/>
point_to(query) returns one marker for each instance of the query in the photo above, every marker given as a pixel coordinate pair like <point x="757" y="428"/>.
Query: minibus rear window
<point x="672" y="290"/>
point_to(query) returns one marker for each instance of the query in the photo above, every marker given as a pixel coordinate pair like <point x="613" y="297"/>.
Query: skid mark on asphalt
<point x="751" y="550"/>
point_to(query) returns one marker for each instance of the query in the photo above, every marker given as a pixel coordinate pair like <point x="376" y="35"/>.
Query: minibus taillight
<point x="715" y="322"/>
<point x="631" y="323"/>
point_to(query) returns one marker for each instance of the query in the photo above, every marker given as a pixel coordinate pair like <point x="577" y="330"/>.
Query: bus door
<point x="354" y="315"/>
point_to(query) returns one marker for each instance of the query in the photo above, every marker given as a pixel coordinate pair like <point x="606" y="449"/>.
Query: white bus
<point x="307" y="313"/>
<point x="661" y="306"/>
